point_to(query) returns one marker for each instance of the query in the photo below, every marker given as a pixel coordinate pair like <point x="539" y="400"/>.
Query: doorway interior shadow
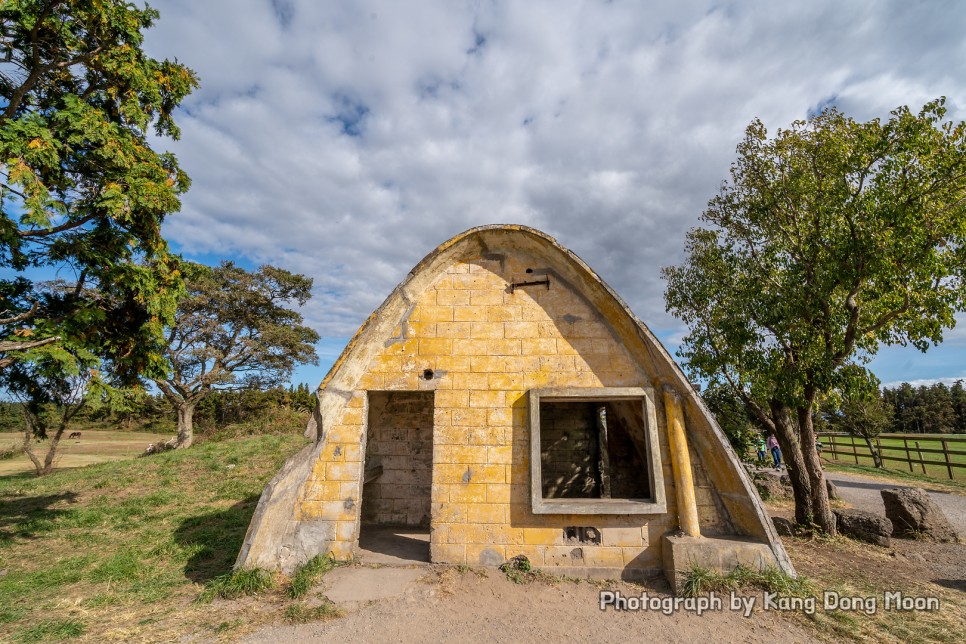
<point x="382" y="544"/>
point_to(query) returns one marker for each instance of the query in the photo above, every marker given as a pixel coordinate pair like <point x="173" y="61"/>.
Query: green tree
<point x="858" y="409"/>
<point x="940" y="414"/>
<point x="82" y="192"/>
<point x="901" y="401"/>
<point x="52" y="390"/>
<point x="741" y="428"/>
<point x="234" y="329"/>
<point x="958" y="395"/>
<point x="831" y="238"/>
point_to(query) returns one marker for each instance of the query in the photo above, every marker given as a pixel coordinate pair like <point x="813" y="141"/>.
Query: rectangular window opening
<point x="594" y="451"/>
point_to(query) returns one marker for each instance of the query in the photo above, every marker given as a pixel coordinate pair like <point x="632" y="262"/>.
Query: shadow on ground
<point x="28" y="517"/>
<point x="393" y="544"/>
<point x="217" y="536"/>
<point x="955" y="584"/>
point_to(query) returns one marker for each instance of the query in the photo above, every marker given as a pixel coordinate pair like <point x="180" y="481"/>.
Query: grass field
<point x="121" y="550"/>
<point x="930" y="449"/>
<point x="92" y="447"/>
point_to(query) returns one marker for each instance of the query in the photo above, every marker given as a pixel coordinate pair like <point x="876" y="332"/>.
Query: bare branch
<point x="7" y="345"/>
<point x="67" y="225"/>
<point x="26" y="315"/>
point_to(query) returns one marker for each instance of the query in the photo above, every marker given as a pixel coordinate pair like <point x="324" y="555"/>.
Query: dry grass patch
<point x="94" y="446"/>
<point x="915" y="569"/>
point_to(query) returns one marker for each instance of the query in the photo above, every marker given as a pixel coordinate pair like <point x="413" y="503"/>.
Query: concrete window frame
<point x="656" y="504"/>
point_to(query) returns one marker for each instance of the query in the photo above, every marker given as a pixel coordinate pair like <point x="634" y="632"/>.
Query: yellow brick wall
<point x="487" y="347"/>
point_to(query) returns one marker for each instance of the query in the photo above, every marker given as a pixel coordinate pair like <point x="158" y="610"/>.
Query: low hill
<point x="121" y="550"/>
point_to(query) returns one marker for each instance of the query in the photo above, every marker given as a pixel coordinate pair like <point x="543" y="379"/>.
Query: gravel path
<point x="863" y="493"/>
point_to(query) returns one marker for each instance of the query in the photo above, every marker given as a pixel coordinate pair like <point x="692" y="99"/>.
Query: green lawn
<point x="121" y="550"/>
<point x="895" y="448"/>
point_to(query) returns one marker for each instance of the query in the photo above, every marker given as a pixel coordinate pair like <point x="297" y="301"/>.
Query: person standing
<point x="776" y="452"/>
<point x="760" y="448"/>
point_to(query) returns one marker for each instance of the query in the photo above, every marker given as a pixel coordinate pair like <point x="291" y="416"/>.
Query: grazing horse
<point x="73" y="435"/>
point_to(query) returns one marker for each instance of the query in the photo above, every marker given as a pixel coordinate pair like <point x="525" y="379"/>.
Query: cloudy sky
<point x="345" y="140"/>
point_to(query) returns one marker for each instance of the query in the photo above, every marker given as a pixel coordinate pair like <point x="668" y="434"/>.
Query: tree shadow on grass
<point x="219" y="534"/>
<point x="955" y="584"/>
<point x="30" y="517"/>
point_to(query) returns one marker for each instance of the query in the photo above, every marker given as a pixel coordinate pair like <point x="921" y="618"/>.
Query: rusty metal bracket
<point x="515" y="285"/>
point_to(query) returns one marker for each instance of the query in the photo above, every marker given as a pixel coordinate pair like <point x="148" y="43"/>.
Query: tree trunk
<point x="792" y="456"/>
<point x="876" y="457"/>
<point x="186" y="413"/>
<point x="49" y="459"/>
<point x="821" y="509"/>
<point x="46" y="467"/>
<point x="27" y="436"/>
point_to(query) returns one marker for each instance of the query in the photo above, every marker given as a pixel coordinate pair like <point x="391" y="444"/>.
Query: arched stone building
<point x="506" y="400"/>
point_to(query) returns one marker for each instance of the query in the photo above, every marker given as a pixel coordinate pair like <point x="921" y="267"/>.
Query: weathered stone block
<point x="452" y="297"/>
<point x="770" y="487"/>
<point x="864" y="526"/>
<point x="542" y="536"/>
<point x="486" y="298"/>
<point x="914" y="514"/>
<point x="783" y="526"/>
<point x="622" y="537"/>
<point x="487" y="398"/>
<point x="488" y="330"/>
<point x="489" y="555"/>
<point x="487" y="513"/>
<point x="833" y="492"/>
<point x="452" y="553"/>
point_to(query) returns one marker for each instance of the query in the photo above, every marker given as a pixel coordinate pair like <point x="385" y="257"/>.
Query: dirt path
<point x="438" y="603"/>
<point x="863" y="492"/>
<point x="445" y="605"/>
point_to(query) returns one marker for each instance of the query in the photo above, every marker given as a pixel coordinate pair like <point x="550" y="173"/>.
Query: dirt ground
<point x="458" y="604"/>
<point x="474" y="606"/>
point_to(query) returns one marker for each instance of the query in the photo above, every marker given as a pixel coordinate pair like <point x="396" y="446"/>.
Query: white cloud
<point x="345" y="140"/>
<point x="923" y="382"/>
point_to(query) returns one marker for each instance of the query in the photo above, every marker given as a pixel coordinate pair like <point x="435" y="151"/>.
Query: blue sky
<point x="345" y="140"/>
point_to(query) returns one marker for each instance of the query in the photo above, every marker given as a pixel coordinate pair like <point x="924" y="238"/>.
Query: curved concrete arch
<point x="280" y="537"/>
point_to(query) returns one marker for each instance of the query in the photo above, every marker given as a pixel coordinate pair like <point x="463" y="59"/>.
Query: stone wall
<point x="480" y="345"/>
<point x="577" y="463"/>
<point x="569" y="451"/>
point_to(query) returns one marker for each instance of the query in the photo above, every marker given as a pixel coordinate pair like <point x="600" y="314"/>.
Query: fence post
<point x="878" y="448"/>
<point x="855" y="452"/>
<point x="919" y="454"/>
<point x="949" y="466"/>
<point x="905" y="442"/>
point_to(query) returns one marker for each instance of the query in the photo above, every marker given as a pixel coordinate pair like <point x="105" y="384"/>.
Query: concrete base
<point x="356" y="585"/>
<point x="722" y="554"/>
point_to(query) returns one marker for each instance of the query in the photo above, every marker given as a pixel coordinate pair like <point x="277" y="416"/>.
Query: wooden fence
<point x="938" y="455"/>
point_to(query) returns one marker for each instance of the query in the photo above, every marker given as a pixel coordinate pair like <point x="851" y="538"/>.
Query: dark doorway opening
<point x="397" y="488"/>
